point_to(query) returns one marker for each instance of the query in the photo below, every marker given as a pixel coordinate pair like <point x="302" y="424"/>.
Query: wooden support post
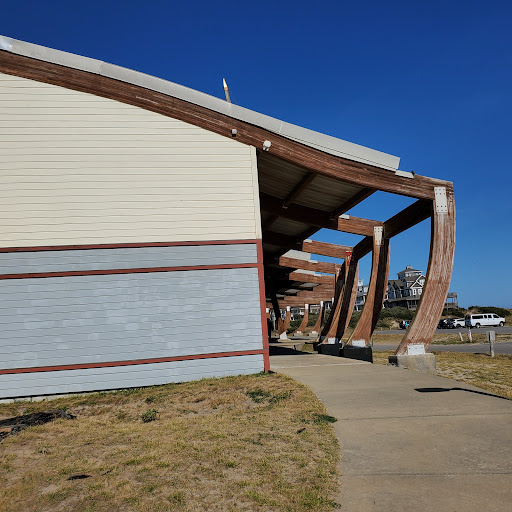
<point x="439" y="272"/>
<point x="318" y="324"/>
<point x="287" y="318"/>
<point x="277" y="313"/>
<point x="305" y="320"/>
<point x="349" y="297"/>
<point x="331" y="327"/>
<point x="376" y="291"/>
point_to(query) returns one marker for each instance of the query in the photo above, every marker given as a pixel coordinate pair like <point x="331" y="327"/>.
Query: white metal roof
<point x="316" y="140"/>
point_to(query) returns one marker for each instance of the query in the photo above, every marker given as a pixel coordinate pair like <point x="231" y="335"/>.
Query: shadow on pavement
<point x="275" y="350"/>
<point x="441" y="390"/>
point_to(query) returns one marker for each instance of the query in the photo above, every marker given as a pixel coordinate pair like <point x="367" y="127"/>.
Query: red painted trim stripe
<point x="263" y="305"/>
<point x="37" y="369"/>
<point x="148" y="270"/>
<point x="122" y="246"/>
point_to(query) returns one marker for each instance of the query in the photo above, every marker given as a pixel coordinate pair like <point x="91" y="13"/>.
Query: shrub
<point x="150" y="415"/>
<point x="491" y="309"/>
<point x="455" y="312"/>
<point x="397" y="313"/>
<point x="356" y="315"/>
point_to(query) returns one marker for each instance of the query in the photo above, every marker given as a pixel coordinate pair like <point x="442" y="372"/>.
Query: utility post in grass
<point x="491" y="338"/>
<point x="470" y="338"/>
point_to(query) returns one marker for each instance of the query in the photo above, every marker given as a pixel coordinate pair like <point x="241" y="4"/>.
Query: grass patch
<point x="478" y="336"/>
<point x="254" y="443"/>
<point x="494" y="374"/>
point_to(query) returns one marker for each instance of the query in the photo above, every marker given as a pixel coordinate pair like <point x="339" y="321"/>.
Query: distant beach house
<point x="404" y="291"/>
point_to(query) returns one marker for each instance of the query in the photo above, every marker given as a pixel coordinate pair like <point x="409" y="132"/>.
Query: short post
<point x="491" y="338"/>
<point x="460" y="336"/>
<point x="470" y="338"/>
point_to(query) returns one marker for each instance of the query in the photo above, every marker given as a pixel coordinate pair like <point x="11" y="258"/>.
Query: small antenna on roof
<point x="226" y="90"/>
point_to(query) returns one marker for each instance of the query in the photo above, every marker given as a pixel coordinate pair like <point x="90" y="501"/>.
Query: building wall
<point x="79" y="169"/>
<point x="130" y="247"/>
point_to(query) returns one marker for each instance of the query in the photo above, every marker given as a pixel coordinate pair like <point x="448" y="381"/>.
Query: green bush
<point x="312" y="320"/>
<point x="356" y="315"/>
<point x="491" y="309"/>
<point x="397" y="313"/>
<point x="455" y="312"/>
<point x="150" y="415"/>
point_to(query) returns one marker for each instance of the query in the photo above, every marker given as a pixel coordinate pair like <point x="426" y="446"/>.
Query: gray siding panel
<point x="107" y="322"/>
<point x="125" y="258"/>
<point x="85" y="319"/>
<point x="96" y="379"/>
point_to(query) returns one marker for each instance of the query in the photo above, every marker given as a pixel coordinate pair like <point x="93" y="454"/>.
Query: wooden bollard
<point x="470" y="338"/>
<point x="491" y="338"/>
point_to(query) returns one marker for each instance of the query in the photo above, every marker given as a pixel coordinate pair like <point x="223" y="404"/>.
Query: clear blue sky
<point x="430" y="82"/>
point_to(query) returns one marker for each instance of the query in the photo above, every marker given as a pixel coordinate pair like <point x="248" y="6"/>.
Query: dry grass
<point x="493" y="374"/>
<point x="443" y="339"/>
<point x="251" y="443"/>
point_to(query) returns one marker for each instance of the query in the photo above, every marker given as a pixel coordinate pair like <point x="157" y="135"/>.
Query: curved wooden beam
<point x="304" y="322"/>
<point x="318" y="324"/>
<point x="361" y="174"/>
<point x="277" y="313"/>
<point x="287" y="319"/>
<point x="348" y="299"/>
<point x="331" y="326"/>
<point x="376" y="292"/>
<point x="439" y="272"/>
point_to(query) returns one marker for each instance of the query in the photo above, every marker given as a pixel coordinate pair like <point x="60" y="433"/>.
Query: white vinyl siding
<point x="79" y="169"/>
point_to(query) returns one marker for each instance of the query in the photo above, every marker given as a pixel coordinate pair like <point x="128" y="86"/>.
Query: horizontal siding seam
<point x="127" y="271"/>
<point x="126" y="245"/>
<point x="132" y="362"/>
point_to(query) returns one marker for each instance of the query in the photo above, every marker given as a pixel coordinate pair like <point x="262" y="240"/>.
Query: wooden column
<point x="287" y="318"/>
<point x="331" y="327"/>
<point x="349" y="297"/>
<point x="277" y="313"/>
<point x="376" y="290"/>
<point x="318" y="323"/>
<point x="305" y="320"/>
<point x="439" y="272"/>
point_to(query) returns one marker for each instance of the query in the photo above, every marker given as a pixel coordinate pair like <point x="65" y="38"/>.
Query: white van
<point x="484" y="319"/>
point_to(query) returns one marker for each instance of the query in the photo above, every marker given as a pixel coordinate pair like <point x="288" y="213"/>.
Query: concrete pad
<point x="425" y="363"/>
<point x="409" y="440"/>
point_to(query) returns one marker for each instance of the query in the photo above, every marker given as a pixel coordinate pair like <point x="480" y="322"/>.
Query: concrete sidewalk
<point x="411" y="441"/>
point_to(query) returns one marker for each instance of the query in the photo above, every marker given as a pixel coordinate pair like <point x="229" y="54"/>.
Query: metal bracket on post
<point x="377" y="235"/>
<point x="441" y="200"/>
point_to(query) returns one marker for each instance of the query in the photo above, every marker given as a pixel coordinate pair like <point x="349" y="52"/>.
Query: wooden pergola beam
<point x="306" y="180"/>
<point x="318" y="218"/>
<point x="308" y="245"/>
<point x="307" y="157"/>
<point x="325" y="249"/>
<point x="317" y="266"/>
<point x="300" y="277"/>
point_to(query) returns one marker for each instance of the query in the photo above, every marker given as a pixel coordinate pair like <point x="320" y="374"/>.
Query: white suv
<point x="483" y="320"/>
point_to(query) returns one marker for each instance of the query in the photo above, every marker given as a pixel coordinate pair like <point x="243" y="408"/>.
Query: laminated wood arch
<point x="376" y="292"/>
<point x="305" y="319"/>
<point x="440" y="265"/>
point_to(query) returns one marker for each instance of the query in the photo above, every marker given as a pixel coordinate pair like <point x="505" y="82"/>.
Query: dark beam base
<point x="330" y="349"/>
<point x="359" y="353"/>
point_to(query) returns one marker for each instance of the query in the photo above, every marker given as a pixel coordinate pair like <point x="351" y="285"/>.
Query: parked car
<point x="458" y="322"/>
<point x="444" y="323"/>
<point x="484" y="320"/>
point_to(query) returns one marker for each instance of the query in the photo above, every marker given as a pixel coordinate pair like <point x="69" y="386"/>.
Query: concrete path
<point x="409" y="441"/>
